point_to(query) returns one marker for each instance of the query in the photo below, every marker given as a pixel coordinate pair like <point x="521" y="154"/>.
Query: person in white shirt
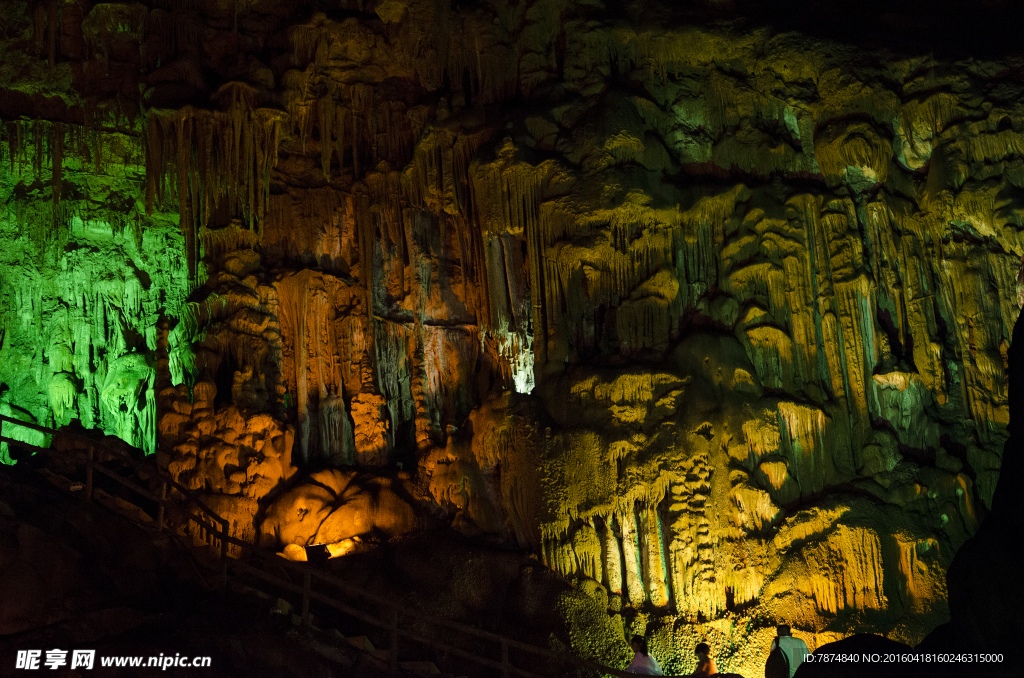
<point x="794" y="649"/>
<point x="643" y="663"/>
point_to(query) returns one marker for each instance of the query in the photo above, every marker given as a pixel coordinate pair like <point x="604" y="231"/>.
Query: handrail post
<point x="393" y="650"/>
<point x="504" y="658"/>
<point x="305" y="599"/>
<point x="160" y="513"/>
<point x="224" y="553"/>
<point x="88" y="473"/>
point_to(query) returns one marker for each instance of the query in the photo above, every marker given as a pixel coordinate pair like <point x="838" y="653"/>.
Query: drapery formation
<point x="200" y="158"/>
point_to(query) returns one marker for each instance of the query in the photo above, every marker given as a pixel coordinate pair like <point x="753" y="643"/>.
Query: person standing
<point x="705" y="664"/>
<point x="643" y="663"/>
<point x="790" y="649"/>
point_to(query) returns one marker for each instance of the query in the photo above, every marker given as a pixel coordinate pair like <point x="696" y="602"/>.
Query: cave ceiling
<point x="708" y="304"/>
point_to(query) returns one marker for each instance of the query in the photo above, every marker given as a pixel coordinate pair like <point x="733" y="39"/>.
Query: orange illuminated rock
<point x="487" y="475"/>
<point x="371" y="429"/>
<point x="335" y="505"/>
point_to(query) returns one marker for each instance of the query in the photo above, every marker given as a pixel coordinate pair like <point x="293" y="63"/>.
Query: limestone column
<point x="653" y="557"/>
<point x="631" y="558"/>
<point x="612" y="557"/>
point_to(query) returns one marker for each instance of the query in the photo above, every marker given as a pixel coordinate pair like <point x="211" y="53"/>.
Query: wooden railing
<point x="144" y="470"/>
<point x="218" y="527"/>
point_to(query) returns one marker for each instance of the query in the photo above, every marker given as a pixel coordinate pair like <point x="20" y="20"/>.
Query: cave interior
<point x="568" y="320"/>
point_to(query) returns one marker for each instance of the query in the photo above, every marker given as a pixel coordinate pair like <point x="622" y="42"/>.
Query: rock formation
<point x="714" y="318"/>
<point x="334" y="506"/>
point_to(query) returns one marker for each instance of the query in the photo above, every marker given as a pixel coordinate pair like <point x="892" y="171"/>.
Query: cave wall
<point x="86" y="280"/>
<point x="714" y="317"/>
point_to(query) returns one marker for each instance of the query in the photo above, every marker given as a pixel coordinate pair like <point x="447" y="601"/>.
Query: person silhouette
<point x="791" y="650"/>
<point x="643" y="663"/>
<point x="705" y="664"/>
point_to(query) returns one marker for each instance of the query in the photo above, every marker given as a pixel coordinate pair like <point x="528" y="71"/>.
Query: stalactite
<point x="13" y="138"/>
<point x="20" y="141"/>
<point x="51" y="27"/>
<point x="340" y="113"/>
<point x="58" y="164"/>
<point x="366" y="237"/>
<point x="185" y="209"/>
<point x="298" y="311"/>
<point x="216" y="243"/>
<point x="39" y="139"/>
<point x="39" y="27"/>
<point x="538" y="291"/>
<point x="97" y="148"/>
<point x="154" y="161"/>
<point x="355" y="144"/>
<point x="336" y="437"/>
<point x="326" y="118"/>
<point x="419" y="393"/>
<point x="217" y="155"/>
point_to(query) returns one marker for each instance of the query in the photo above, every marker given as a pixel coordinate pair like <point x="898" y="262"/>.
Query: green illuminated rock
<point x="84" y="282"/>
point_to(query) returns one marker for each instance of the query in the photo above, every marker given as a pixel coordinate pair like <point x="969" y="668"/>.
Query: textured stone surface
<point x="334" y="506"/>
<point x="488" y="473"/>
<point x="713" y="318"/>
